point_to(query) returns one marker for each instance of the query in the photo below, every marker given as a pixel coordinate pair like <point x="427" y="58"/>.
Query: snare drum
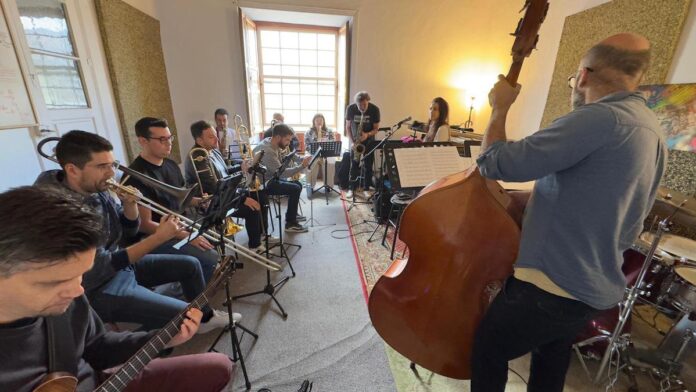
<point x="680" y="290"/>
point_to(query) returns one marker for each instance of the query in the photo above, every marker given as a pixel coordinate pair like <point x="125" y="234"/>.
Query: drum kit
<point x="660" y="269"/>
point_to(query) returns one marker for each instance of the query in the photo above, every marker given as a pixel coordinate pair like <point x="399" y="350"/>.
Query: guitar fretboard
<point x="131" y="368"/>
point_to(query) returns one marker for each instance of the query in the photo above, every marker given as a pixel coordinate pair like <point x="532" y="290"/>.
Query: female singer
<point x="438" y="126"/>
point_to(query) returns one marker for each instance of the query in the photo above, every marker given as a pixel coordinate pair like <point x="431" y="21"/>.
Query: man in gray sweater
<point x="276" y="180"/>
<point x="597" y="170"/>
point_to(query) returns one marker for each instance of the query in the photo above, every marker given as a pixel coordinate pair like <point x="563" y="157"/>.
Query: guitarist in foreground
<point x="47" y="242"/>
<point x="597" y="170"/>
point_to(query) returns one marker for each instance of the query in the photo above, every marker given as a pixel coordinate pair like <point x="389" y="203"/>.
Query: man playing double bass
<point x="597" y="170"/>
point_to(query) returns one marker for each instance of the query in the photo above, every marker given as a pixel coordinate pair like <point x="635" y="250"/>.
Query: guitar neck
<point x="118" y="381"/>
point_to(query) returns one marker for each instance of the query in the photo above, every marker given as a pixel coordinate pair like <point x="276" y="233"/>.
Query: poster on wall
<point x="675" y="106"/>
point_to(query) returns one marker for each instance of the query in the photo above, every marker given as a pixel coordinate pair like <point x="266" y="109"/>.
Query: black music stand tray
<point x="328" y="150"/>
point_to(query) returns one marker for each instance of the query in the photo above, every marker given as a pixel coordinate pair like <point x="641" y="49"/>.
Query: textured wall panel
<point x="136" y="66"/>
<point x="660" y="21"/>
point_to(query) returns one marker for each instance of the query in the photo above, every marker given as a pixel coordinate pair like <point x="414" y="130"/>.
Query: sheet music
<point x="419" y="167"/>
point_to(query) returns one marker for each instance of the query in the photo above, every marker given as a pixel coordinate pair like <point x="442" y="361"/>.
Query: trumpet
<point x="183" y="196"/>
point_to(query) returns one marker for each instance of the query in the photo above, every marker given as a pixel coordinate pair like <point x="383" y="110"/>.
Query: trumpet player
<point x="117" y="284"/>
<point x="362" y="124"/>
<point x="252" y="208"/>
<point x="155" y="141"/>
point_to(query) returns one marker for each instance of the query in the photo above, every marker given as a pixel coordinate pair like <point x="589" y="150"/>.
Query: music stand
<point x="328" y="150"/>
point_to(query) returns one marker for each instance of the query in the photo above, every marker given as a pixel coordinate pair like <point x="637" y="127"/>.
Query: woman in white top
<point x="438" y="125"/>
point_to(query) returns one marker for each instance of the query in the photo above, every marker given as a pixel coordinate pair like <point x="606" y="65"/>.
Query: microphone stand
<point x="380" y="188"/>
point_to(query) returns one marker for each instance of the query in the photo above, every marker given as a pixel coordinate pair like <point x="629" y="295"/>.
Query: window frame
<point x="299" y="28"/>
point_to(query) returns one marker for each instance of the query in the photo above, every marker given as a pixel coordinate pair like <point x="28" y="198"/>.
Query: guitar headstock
<point x="527" y="33"/>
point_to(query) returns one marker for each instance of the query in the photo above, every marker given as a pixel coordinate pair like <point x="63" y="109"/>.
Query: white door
<point x="60" y="48"/>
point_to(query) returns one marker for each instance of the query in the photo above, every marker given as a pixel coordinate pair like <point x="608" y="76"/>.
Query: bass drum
<point x="593" y="339"/>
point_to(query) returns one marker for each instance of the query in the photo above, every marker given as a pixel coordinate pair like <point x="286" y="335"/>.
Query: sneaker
<point x="349" y="195"/>
<point x="271" y="239"/>
<point x="300" y="218"/>
<point x="220" y="319"/>
<point x="295" y="227"/>
<point x="259" y="249"/>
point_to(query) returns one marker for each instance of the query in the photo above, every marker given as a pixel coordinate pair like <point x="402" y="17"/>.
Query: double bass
<point x="427" y="307"/>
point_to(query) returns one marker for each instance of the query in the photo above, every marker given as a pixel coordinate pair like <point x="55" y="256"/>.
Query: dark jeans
<point x="207" y="258"/>
<point x="254" y="221"/>
<point x="524" y="318"/>
<point x="127" y="298"/>
<point x="367" y="163"/>
<point x="290" y="188"/>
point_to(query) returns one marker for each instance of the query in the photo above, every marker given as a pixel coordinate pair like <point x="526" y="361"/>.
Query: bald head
<point x="627" y="41"/>
<point x="620" y="60"/>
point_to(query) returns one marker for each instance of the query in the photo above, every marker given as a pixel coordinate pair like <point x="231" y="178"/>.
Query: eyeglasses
<point x="163" y="139"/>
<point x="573" y="79"/>
<point x="106" y="166"/>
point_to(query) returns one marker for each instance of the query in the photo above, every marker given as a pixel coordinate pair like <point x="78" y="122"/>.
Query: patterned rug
<point x="374" y="259"/>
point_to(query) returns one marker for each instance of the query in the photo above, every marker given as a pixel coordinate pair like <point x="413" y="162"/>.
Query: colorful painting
<point x="675" y="106"/>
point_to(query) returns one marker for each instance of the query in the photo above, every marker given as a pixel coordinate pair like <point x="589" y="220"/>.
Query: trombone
<point x="183" y="195"/>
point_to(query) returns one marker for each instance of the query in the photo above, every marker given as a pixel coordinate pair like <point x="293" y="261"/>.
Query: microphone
<point x="403" y="121"/>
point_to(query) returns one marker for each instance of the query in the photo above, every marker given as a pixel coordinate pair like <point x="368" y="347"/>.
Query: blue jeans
<point x="290" y="188"/>
<point x="127" y="298"/>
<point x="524" y="318"/>
<point x="207" y="258"/>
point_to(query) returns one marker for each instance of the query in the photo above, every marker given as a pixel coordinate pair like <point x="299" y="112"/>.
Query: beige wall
<point x="404" y="53"/>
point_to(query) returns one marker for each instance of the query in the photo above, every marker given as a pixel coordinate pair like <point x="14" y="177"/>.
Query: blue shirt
<point x="597" y="170"/>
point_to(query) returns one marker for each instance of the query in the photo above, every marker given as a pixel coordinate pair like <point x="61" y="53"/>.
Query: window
<point x="53" y="53"/>
<point x="299" y="73"/>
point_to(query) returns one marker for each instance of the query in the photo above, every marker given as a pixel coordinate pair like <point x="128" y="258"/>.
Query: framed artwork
<point x="675" y="106"/>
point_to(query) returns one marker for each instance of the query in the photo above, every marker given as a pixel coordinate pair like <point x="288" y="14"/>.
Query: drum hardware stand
<point x="615" y="340"/>
<point x="631" y="298"/>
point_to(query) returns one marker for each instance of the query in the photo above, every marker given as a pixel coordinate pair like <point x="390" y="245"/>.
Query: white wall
<point x="404" y="53"/>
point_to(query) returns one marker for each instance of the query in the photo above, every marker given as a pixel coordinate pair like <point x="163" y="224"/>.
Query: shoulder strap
<point x="61" y="344"/>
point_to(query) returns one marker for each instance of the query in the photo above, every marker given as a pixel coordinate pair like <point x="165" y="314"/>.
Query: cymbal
<point x="668" y="202"/>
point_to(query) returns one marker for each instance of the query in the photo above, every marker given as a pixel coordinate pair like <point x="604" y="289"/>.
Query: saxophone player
<point x="362" y="124"/>
<point x="227" y="137"/>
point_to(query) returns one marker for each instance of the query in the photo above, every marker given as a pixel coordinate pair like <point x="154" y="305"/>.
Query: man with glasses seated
<point x="272" y="146"/>
<point x="253" y="207"/>
<point x="117" y="284"/>
<point x="156" y="140"/>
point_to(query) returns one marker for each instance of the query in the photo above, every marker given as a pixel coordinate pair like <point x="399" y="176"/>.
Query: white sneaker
<point x="259" y="249"/>
<point x="271" y="239"/>
<point x="220" y="319"/>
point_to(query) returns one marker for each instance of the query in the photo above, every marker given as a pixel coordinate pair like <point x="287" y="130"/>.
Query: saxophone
<point x="358" y="147"/>
<point x="243" y="136"/>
